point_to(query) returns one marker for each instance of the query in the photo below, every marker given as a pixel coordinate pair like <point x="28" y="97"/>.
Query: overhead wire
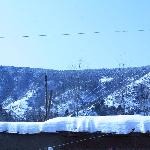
<point x="25" y="36"/>
<point x="82" y="33"/>
<point x="42" y="35"/>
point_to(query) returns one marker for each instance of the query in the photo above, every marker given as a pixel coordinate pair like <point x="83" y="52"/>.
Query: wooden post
<point x="77" y="97"/>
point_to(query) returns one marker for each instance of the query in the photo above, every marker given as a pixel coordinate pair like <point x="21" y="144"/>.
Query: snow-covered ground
<point x="106" y="124"/>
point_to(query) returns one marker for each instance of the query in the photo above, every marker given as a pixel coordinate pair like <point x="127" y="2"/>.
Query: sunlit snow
<point x="20" y="106"/>
<point x="106" y="79"/>
<point x="106" y="124"/>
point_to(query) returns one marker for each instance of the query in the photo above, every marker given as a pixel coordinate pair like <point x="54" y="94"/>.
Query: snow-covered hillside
<point x="129" y="94"/>
<point x="90" y="92"/>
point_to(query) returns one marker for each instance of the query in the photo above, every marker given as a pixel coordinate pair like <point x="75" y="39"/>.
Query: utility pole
<point x="78" y="87"/>
<point x="78" y="97"/>
<point x="46" y="98"/>
<point x="122" y="92"/>
<point x="49" y="102"/>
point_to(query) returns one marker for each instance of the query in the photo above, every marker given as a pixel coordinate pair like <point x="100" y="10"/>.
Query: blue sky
<point x="107" y="49"/>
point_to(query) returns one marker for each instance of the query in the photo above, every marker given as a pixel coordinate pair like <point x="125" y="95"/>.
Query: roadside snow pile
<point x="21" y="127"/>
<point x="106" y="124"/>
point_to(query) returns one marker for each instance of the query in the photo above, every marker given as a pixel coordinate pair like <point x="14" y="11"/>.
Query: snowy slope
<point x="68" y="101"/>
<point x="106" y="124"/>
<point x="129" y="92"/>
<point x="90" y="87"/>
<point x="19" y="107"/>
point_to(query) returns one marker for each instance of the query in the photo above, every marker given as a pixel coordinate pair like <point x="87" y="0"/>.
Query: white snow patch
<point x="110" y="100"/>
<point x="144" y="79"/>
<point x="105" y="79"/>
<point x="19" y="107"/>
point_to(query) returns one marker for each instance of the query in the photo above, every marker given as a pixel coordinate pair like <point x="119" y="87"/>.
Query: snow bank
<point x="106" y="124"/>
<point x="21" y="127"/>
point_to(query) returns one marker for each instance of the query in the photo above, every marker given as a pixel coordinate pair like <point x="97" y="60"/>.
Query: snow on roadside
<point x="107" y="124"/>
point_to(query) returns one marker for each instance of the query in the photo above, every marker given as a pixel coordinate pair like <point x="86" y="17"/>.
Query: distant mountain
<point x="88" y="92"/>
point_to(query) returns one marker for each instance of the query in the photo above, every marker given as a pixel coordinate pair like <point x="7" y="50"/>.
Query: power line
<point x="66" y="34"/>
<point x="25" y="36"/>
<point x="82" y="33"/>
<point x="42" y="35"/>
<point x="141" y="30"/>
